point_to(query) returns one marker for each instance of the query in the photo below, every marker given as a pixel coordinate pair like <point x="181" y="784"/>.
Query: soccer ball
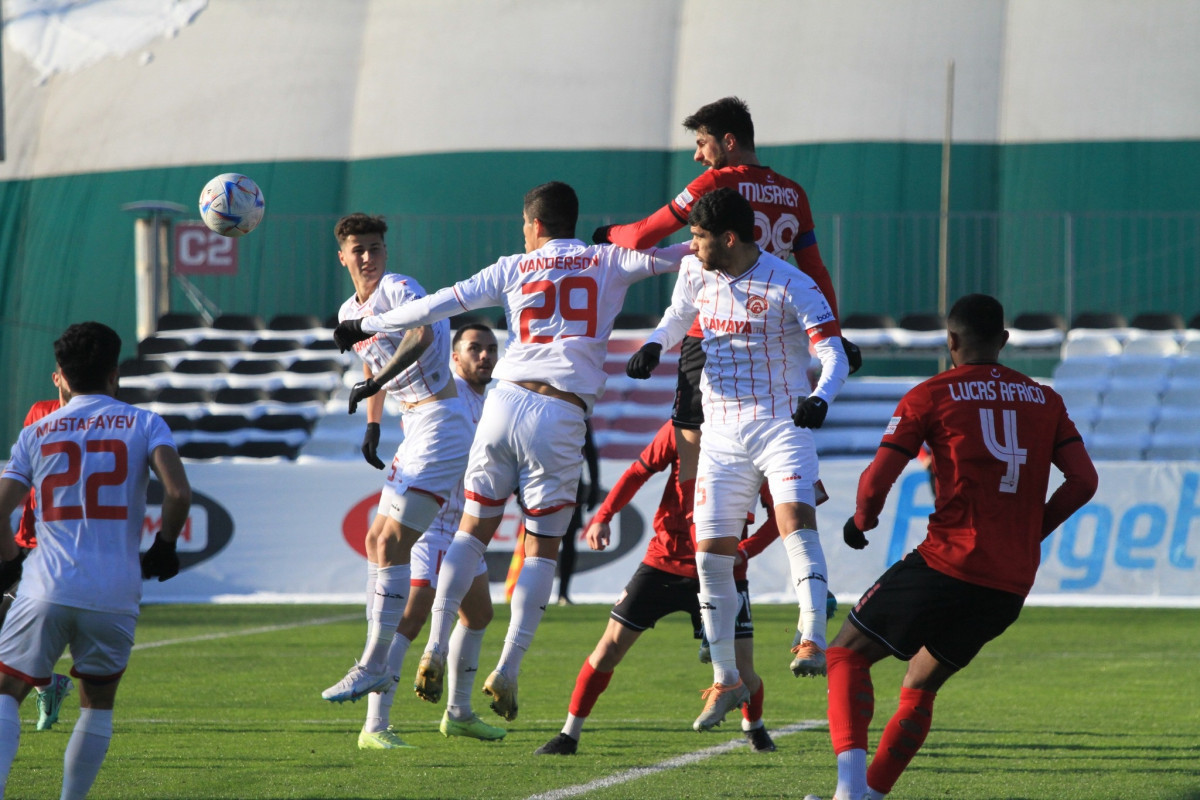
<point x="231" y="204"/>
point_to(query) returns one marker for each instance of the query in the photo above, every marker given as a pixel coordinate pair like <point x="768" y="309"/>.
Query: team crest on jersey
<point x="756" y="305"/>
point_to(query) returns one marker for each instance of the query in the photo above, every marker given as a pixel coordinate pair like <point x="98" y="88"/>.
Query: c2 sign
<point x="200" y="251"/>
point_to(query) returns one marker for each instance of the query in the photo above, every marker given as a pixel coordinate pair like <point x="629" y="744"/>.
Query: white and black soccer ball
<point x="231" y="204"/>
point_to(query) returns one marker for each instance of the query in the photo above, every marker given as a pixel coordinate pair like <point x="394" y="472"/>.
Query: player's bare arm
<point x="412" y="345"/>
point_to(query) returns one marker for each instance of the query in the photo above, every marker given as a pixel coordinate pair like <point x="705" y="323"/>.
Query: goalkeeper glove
<point x="371" y="444"/>
<point x="810" y="412"/>
<point x="361" y="391"/>
<point x="853" y="536"/>
<point x="853" y="355"/>
<point x="643" y="362"/>
<point x="349" y="333"/>
<point x="160" y="561"/>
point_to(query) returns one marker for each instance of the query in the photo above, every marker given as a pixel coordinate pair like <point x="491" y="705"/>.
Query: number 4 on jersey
<point x="1009" y="452"/>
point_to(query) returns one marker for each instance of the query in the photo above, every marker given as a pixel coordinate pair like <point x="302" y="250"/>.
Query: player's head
<point x="473" y="351"/>
<point x="362" y="250"/>
<point x="87" y="354"/>
<point x="724" y="131"/>
<point x="550" y="212"/>
<point x="722" y="224"/>
<point x="975" y="328"/>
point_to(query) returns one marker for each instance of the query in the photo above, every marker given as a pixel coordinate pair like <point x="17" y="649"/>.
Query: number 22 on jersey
<point x="571" y="300"/>
<point x="69" y="477"/>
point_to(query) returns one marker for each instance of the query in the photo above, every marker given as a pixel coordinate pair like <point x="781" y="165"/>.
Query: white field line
<point x="684" y="760"/>
<point x="208" y="637"/>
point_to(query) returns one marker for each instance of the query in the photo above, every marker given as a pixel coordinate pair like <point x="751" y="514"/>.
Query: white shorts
<point x="427" y="556"/>
<point x="433" y="455"/>
<point x="528" y="441"/>
<point x="37" y="632"/>
<point x="735" y="458"/>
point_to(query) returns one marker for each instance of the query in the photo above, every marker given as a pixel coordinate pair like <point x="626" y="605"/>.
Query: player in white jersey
<point x="758" y="314"/>
<point x="473" y="356"/>
<point x="560" y="299"/>
<point x="89" y="464"/>
<point x="430" y="460"/>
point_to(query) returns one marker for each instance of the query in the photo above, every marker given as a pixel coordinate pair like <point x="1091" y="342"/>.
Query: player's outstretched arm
<point x="643" y="233"/>
<point x="412" y="345"/>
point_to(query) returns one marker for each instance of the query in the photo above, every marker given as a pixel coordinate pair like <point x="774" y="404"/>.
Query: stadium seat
<point x="144" y="373"/>
<point x="1155" y="345"/>
<point x="870" y="331"/>
<point x="162" y="346"/>
<point x="921" y="331"/>
<point x="1129" y="403"/>
<point x="1090" y="346"/>
<point x="220" y="344"/>
<point x="317" y="373"/>
<point x="1185" y="372"/>
<point x="1083" y="373"/>
<point x="1083" y="404"/>
<point x="180" y="321"/>
<point x="201" y="373"/>
<point x="205" y="450"/>
<point x="238" y="322"/>
<point x="276" y="345"/>
<point x="178" y="422"/>
<point x="1157" y="321"/>
<point x="266" y="449"/>
<point x="279" y="421"/>
<point x="628" y="320"/>
<point x="1037" y="331"/>
<point x="1148" y="374"/>
<point x="237" y="396"/>
<point x="1099" y="319"/>
<point x="1180" y="397"/>
<point x="137" y="395"/>
<point x="222" y="423"/>
<point x="295" y="322"/>
<point x="266" y="373"/>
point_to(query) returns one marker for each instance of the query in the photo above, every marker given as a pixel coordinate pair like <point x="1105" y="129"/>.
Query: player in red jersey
<point x="665" y="582"/>
<point x="783" y="226"/>
<point x="993" y="433"/>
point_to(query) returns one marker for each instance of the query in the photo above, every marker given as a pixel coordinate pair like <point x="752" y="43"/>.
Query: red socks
<point x="588" y="687"/>
<point x="903" y="736"/>
<point x="851" y="699"/>
<point x="752" y="711"/>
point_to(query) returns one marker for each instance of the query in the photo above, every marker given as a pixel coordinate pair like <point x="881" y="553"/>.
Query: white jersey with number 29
<point x="560" y="302"/>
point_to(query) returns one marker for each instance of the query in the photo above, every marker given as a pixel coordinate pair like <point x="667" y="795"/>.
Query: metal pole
<point x="944" y="204"/>
<point x="1069" y="265"/>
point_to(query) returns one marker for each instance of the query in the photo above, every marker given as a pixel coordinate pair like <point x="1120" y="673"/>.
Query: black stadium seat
<point x="266" y="449"/>
<point x="222" y="423"/>
<point x="238" y="322"/>
<point x="219" y="345"/>
<point x="161" y="345"/>
<point x="1039" y="321"/>
<point x="926" y="321"/>
<point x="178" y="320"/>
<point x="1157" y="321"/>
<point x="206" y="450"/>
<point x="1099" y="319"/>
<point x="863" y="321"/>
<point x="276" y="346"/>
<point x="294" y="322"/>
<point x="239" y="397"/>
<point x="298" y="395"/>
<point x="137" y="395"/>
<point x="176" y="395"/>
<point x="309" y="366"/>
<point x="284" y="422"/>
<point x="256" y="366"/>
<point x="132" y="367"/>
<point x="200" y="366"/>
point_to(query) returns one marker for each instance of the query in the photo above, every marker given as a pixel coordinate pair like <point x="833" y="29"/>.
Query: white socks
<point x="391" y="595"/>
<point x="462" y="663"/>
<point x="86" y="751"/>
<point x="529" y="600"/>
<point x="718" y="608"/>
<point x="455" y="578"/>
<point x="809" y="578"/>
<point x="10" y="736"/>
<point x="852" y="773"/>
<point x="379" y="704"/>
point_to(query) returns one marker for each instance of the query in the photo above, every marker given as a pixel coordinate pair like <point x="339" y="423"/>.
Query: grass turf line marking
<point x="684" y="760"/>
<point x="208" y="637"/>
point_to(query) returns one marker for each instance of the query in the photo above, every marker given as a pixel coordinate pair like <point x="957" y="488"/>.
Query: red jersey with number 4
<point x="993" y="433"/>
<point x="26" y="536"/>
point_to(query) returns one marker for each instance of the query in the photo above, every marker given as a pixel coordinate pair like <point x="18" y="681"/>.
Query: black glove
<point x="810" y="412"/>
<point x="600" y="235"/>
<point x="348" y="333"/>
<point x="853" y="536"/>
<point x="361" y="391"/>
<point x="160" y="561"/>
<point x="371" y="444"/>
<point x="643" y="362"/>
<point x="10" y="571"/>
<point x="853" y="355"/>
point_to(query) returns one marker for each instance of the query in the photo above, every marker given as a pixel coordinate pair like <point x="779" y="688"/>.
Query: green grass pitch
<point x="223" y="702"/>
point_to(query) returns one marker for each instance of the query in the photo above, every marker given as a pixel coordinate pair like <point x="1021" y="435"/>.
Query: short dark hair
<point x="556" y="205"/>
<point x="86" y="354"/>
<point x="470" y="326"/>
<point x="978" y="318"/>
<point x="727" y="115"/>
<point x="357" y="224"/>
<point x="724" y="210"/>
